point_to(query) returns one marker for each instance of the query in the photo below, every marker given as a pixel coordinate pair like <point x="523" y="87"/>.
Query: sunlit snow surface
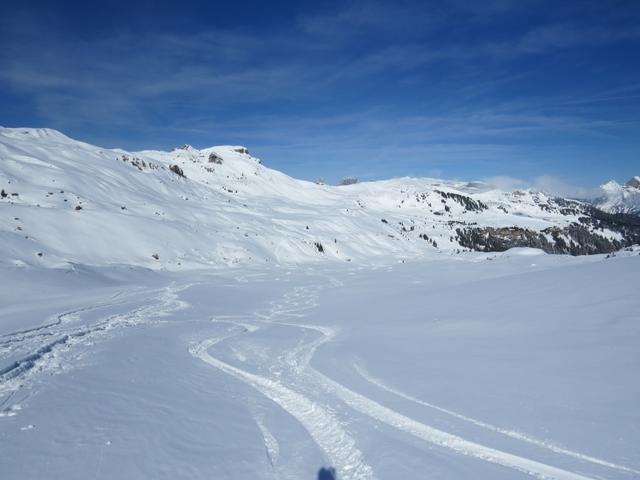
<point x="483" y="366"/>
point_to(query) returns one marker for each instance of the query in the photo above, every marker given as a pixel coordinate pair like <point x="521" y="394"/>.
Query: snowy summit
<point x="618" y="198"/>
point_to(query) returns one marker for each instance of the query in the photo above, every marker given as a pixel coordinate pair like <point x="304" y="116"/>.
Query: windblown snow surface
<point x="242" y="351"/>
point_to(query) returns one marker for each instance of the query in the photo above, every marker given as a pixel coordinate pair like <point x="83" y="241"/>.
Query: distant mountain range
<point x="67" y="201"/>
<point x="617" y="198"/>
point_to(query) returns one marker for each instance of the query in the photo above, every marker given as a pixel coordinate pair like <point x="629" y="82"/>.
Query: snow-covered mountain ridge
<point x="68" y="201"/>
<point x="617" y="198"/>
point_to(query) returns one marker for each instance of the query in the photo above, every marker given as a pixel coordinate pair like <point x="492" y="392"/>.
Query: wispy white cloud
<point x="558" y="186"/>
<point x="504" y="182"/>
<point x="551" y="184"/>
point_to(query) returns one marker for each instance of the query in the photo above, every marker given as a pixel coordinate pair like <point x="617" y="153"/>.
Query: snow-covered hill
<point x="617" y="198"/>
<point x="68" y="201"/>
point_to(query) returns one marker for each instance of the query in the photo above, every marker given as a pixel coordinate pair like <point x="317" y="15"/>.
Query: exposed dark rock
<point x="177" y="170"/>
<point x="215" y="158"/>
<point x="574" y="239"/>
<point x="634" y="182"/>
<point x="467" y="202"/>
<point x="348" y="181"/>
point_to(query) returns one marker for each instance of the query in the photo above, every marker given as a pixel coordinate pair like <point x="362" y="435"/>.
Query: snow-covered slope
<point x="509" y="365"/>
<point x="68" y="201"/>
<point x="618" y="198"/>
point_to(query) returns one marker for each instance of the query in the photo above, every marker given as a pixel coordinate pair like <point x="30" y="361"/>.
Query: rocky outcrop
<point x="215" y="158"/>
<point x="467" y="202"/>
<point x="177" y="170"/>
<point x="634" y="182"/>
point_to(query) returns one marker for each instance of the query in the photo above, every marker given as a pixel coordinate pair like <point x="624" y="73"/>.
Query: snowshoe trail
<point x="46" y="353"/>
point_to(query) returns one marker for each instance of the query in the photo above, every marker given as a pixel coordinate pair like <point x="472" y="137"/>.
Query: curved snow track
<point x="296" y="383"/>
<point x="329" y="435"/>
<point x="509" y="433"/>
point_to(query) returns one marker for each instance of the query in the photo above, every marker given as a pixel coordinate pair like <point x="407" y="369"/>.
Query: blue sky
<point x="522" y="92"/>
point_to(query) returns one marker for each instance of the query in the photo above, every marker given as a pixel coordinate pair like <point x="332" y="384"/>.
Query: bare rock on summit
<point x="215" y="158"/>
<point x="634" y="182"/>
<point x="177" y="170"/>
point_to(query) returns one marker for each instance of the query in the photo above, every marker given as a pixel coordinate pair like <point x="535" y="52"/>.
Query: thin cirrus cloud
<point x="447" y="86"/>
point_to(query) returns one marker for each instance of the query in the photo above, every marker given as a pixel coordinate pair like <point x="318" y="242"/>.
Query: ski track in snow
<point x="321" y="425"/>
<point x="509" y="433"/>
<point x="326" y="430"/>
<point x="294" y="391"/>
<point x="438" y="437"/>
<point x="432" y="435"/>
<point x="45" y="358"/>
<point x="20" y="335"/>
<point x="271" y="444"/>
